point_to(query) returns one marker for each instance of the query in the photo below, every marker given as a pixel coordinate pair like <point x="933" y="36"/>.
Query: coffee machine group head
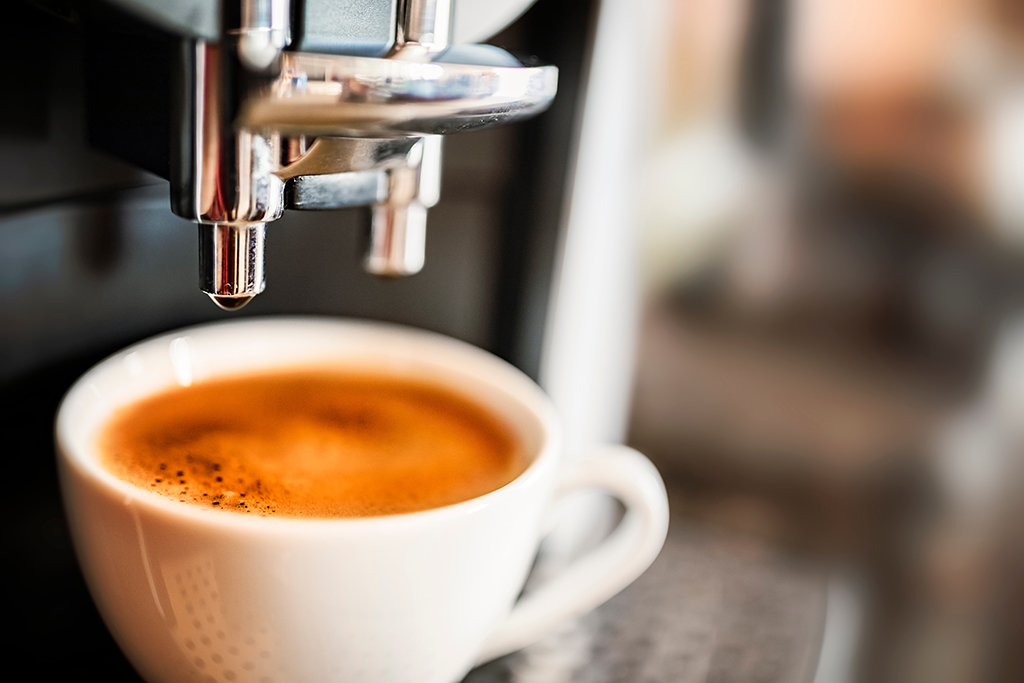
<point x="346" y="109"/>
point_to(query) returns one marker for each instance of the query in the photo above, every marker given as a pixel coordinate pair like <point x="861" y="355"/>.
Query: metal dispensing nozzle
<point x="231" y="263"/>
<point x="249" y="108"/>
<point x="398" y="229"/>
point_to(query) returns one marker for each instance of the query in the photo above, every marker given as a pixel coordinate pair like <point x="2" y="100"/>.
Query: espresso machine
<point x="123" y="104"/>
<point x="308" y="145"/>
<point x="319" y="106"/>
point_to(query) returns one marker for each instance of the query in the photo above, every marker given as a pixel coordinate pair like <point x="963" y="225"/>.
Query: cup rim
<point x="516" y="386"/>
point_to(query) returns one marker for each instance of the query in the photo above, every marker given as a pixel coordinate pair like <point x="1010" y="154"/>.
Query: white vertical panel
<point x="588" y="355"/>
<point x="587" y="360"/>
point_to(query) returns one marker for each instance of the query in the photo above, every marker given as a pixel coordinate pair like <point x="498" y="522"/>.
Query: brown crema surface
<point x="318" y="444"/>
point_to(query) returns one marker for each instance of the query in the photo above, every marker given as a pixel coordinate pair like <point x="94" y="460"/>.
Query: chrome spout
<point x="231" y="263"/>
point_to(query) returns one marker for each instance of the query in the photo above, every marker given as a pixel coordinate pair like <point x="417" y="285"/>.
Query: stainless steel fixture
<point x="262" y="129"/>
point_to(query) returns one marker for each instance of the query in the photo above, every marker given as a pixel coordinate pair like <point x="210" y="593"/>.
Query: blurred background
<point x="812" y="277"/>
<point x="830" y="353"/>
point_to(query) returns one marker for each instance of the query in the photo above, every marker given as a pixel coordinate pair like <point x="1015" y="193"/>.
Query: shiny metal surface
<point x="423" y="30"/>
<point x="398" y="230"/>
<point x="400" y="178"/>
<point x="231" y="263"/>
<point x="342" y="155"/>
<point x="340" y="172"/>
<point x="249" y="111"/>
<point x="230" y="176"/>
<point x="347" y="27"/>
<point x="364" y="97"/>
<point x="265" y="30"/>
<point x="398" y="240"/>
<point x="335" y="190"/>
<point x="228" y="183"/>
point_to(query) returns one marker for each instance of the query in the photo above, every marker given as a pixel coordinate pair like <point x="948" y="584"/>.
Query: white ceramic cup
<point x="194" y="594"/>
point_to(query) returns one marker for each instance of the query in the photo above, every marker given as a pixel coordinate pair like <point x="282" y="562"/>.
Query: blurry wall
<point x="834" y="198"/>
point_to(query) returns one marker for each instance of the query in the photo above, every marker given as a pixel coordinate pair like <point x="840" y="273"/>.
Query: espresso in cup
<point x="333" y="428"/>
<point x="312" y="443"/>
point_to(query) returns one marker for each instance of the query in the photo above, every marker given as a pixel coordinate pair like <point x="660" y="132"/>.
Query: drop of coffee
<point x="230" y="303"/>
<point x="312" y="444"/>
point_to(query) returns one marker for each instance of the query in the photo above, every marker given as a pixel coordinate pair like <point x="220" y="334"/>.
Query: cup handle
<point x="608" y="568"/>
